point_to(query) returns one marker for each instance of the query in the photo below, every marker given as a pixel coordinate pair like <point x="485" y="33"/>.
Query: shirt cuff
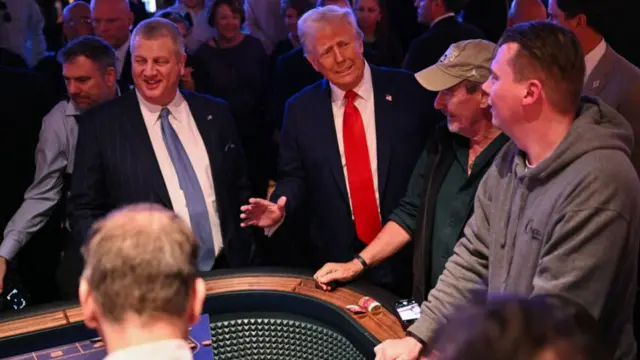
<point x="269" y="230"/>
<point x="9" y="248"/>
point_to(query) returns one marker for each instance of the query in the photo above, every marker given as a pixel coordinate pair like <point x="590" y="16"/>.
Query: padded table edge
<point x="382" y="324"/>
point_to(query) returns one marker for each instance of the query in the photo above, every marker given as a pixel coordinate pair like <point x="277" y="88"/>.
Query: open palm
<point x="262" y="213"/>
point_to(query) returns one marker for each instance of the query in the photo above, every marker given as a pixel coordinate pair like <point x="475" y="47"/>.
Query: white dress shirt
<point x="185" y="126"/>
<point x="593" y="57"/>
<point x="366" y="105"/>
<point x="121" y="56"/>
<point x="158" y="350"/>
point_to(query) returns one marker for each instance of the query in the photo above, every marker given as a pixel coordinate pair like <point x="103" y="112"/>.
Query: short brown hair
<point x="236" y="6"/>
<point x="552" y="55"/>
<point x="512" y="327"/>
<point x="142" y="260"/>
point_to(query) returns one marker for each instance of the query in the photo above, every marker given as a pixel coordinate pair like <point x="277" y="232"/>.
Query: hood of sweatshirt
<point x="597" y="127"/>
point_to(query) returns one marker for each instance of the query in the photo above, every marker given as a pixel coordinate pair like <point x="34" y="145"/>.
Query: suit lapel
<point x="328" y="132"/>
<point x="599" y="75"/>
<point x="143" y="149"/>
<point x="206" y="125"/>
<point x="383" y="103"/>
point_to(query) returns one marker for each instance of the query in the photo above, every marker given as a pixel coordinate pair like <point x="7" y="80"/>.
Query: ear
<point x="181" y="61"/>
<point x="484" y="99"/>
<point x="88" y="305"/>
<point x="198" y="294"/>
<point x="130" y="19"/>
<point x="533" y="92"/>
<point x="110" y="76"/>
<point x="581" y="21"/>
<point x="66" y="30"/>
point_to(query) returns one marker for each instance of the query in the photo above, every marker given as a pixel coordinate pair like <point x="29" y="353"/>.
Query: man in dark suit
<point x="348" y="147"/>
<point x="609" y="76"/>
<point x="112" y="21"/>
<point x="445" y="29"/>
<point x="158" y="144"/>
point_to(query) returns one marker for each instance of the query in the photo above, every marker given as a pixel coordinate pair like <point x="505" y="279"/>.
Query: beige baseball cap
<point x="464" y="60"/>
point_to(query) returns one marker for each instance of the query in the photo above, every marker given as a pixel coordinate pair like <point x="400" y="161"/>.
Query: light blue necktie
<point x="196" y="204"/>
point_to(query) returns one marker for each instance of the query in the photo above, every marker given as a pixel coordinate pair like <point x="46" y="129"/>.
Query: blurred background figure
<point x="382" y="49"/>
<point x="199" y="11"/>
<point x="291" y="11"/>
<point x="526" y="10"/>
<point x="21" y="37"/>
<point x="233" y="66"/>
<point x="112" y="21"/>
<point x="511" y="328"/>
<point x="76" y="22"/>
<point x="263" y="21"/>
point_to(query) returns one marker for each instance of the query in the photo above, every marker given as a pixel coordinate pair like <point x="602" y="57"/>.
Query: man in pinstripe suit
<point x="158" y="144"/>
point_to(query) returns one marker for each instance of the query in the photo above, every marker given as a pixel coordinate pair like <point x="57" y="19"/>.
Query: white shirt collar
<point x="174" y="349"/>
<point x="364" y="89"/>
<point x="449" y="14"/>
<point x="593" y="57"/>
<point x="154" y="110"/>
<point x="72" y="109"/>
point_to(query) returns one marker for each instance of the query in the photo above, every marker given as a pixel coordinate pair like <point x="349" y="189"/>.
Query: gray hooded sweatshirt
<point x="569" y="226"/>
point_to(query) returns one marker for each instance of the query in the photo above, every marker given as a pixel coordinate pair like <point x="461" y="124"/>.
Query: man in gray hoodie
<point x="558" y="213"/>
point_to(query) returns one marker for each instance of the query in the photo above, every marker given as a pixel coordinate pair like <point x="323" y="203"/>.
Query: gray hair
<point x="91" y="47"/>
<point x="157" y="28"/>
<point x="310" y="22"/>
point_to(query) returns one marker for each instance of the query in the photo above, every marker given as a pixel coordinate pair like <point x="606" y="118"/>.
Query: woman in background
<point x="381" y="48"/>
<point x="233" y="66"/>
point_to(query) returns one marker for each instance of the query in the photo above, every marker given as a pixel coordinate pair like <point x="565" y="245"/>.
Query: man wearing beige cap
<point x="439" y="198"/>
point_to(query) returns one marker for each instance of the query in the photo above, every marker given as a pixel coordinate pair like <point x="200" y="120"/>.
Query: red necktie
<point x="361" y="189"/>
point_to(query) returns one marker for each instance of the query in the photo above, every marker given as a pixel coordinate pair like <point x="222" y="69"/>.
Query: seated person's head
<point x="183" y="21"/>
<point x="510" y="328"/>
<point x="292" y="10"/>
<point x="458" y="77"/>
<point x="139" y="283"/>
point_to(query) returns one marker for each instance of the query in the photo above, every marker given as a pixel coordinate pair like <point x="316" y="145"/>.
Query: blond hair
<point x="141" y="260"/>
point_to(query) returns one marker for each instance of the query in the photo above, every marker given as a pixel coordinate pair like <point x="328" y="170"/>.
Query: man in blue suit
<point x="161" y="145"/>
<point x="348" y="147"/>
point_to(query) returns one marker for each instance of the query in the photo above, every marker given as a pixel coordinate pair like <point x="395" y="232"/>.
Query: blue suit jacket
<point x="311" y="173"/>
<point x="116" y="165"/>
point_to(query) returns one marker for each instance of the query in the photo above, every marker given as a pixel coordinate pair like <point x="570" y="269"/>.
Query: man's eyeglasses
<point x="6" y="16"/>
<point x="74" y="23"/>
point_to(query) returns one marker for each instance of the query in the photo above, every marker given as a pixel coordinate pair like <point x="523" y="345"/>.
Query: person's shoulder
<point x="202" y="98"/>
<point x="108" y="110"/>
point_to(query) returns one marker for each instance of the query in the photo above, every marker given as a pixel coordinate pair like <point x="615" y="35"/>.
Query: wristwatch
<point x="362" y="261"/>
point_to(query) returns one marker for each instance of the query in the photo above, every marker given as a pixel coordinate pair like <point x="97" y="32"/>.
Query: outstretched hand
<point x="262" y="213"/>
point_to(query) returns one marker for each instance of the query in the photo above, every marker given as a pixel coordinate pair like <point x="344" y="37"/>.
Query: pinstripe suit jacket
<point x="116" y="165"/>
